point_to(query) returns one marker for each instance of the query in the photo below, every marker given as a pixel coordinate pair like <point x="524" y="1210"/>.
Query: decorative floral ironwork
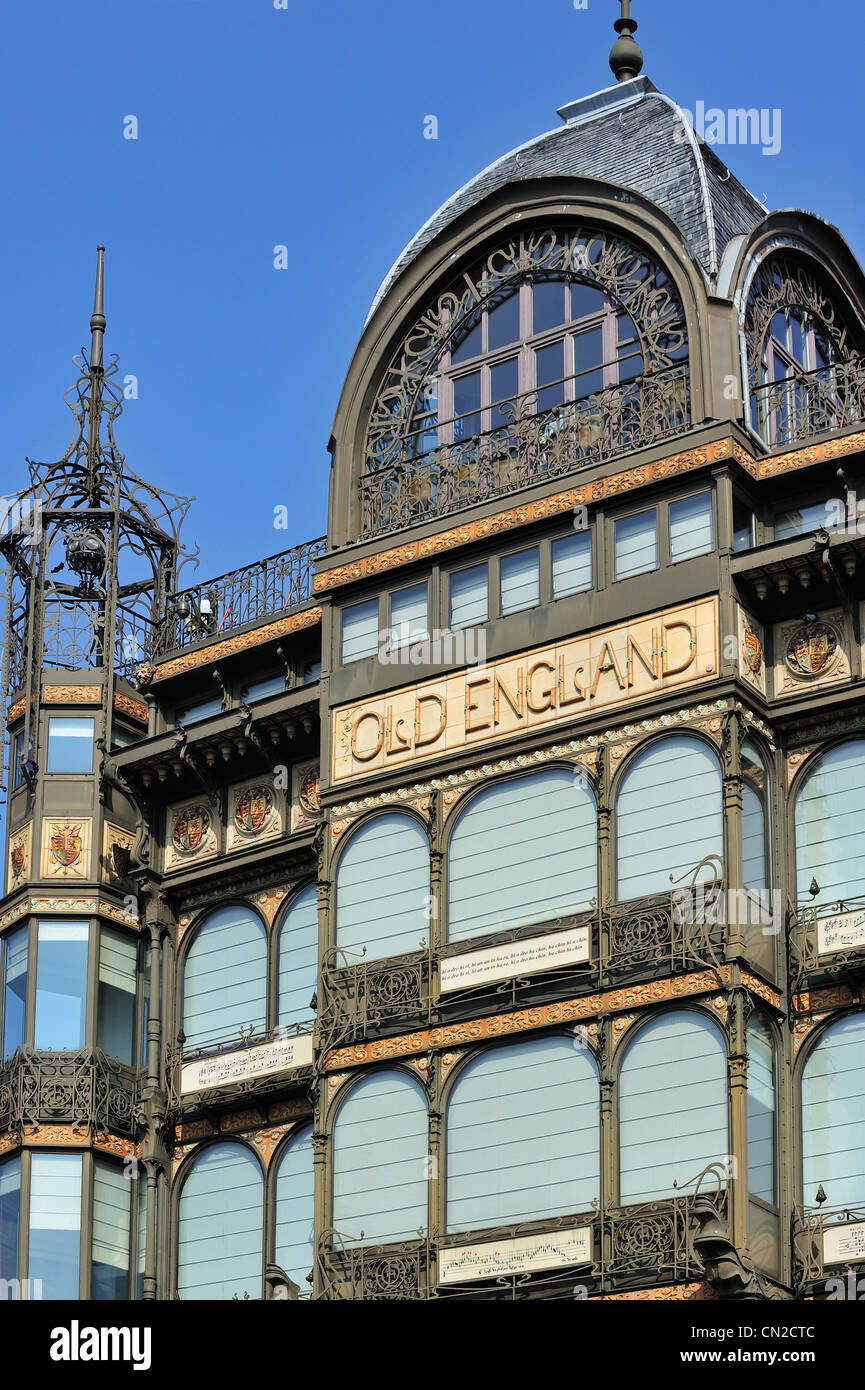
<point x="786" y="283"/>
<point x="374" y="1273"/>
<point x="81" y="1088"/>
<point x="810" y="1228"/>
<point x="810" y="403"/>
<point x="531" y="448"/>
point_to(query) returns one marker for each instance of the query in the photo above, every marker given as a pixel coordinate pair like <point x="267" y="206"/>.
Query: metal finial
<point x="97" y="319"/>
<point x="626" y="56"/>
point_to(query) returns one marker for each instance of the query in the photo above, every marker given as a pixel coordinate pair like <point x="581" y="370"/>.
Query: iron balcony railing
<point x="86" y="1089"/>
<point x="810" y="403"/>
<point x="215" y="607"/>
<point x="825" y="943"/>
<point x="532" y="447"/>
<point x="826" y="1245"/>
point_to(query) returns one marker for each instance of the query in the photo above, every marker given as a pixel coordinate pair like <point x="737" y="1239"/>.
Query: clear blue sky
<point x="304" y="127"/>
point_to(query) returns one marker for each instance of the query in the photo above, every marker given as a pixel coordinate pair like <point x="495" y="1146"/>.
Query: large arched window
<point x="761" y="1110"/>
<point x="298" y="957"/>
<point x="382" y="888"/>
<point x="830" y="825"/>
<point x="672" y="1105"/>
<point x="522" y="851"/>
<point x="225" y="977"/>
<point x="669" y="815"/>
<point x="800" y="333"/>
<point x="523" y="1138"/>
<point x="380" y="1146"/>
<point x="833" y="1116"/>
<point x="574" y="327"/>
<point x="294" y="1218"/>
<point x="219" y="1225"/>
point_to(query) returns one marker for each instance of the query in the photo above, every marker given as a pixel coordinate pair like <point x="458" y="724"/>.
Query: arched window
<point x="833" y="1116"/>
<point x="800" y="335"/>
<point x="382" y="888"/>
<point x="380" y="1144"/>
<point x="761" y="1110"/>
<point x="295" y="1210"/>
<point x="669" y="815"/>
<point x="830" y="825"/>
<point x="523" y="851"/>
<point x="298" y="957"/>
<point x="523" y="1138"/>
<point x="573" y="326"/>
<point x="225" y="977"/>
<point x="219" y="1225"/>
<point x="755" y="819"/>
<point x="672" y="1105"/>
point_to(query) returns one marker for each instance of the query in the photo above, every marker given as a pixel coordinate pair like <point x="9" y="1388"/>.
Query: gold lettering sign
<point x="477" y="705"/>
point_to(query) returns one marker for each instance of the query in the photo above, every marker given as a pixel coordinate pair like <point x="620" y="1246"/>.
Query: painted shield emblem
<point x="65" y="846"/>
<point x="753" y="652"/>
<point x="18" y="855"/>
<point x="190" y="829"/>
<point x="253" y="808"/>
<point x="810" y="648"/>
<point x="309" y="793"/>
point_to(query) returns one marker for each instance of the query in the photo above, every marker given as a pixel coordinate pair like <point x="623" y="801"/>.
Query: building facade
<point x="469" y="903"/>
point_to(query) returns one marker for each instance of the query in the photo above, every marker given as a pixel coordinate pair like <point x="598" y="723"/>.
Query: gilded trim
<point x="208" y="655"/>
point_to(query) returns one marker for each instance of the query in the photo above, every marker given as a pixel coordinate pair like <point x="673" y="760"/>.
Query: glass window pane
<point x="801" y="521"/>
<point x="224" y="978"/>
<point x="469" y="602"/>
<point x="672" y="1106"/>
<point x="522" y="852"/>
<point x="311" y="672"/>
<point x="761" y="1111"/>
<point x="467" y="404"/>
<point x="468" y="341"/>
<point x="754" y="821"/>
<point x="294" y="1214"/>
<point x="10" y="1216"/>
<point x="548" y="305"/>
<point x="636" y="544"/>
<point x="360" y="630"/>
<point x="669" y="815"/>
<point x="141" y="1230"/>
<point x="588" y="357"/>
<point x="503" y="389"/>
<point x="743" y="525"/>
<point x="408" y="615"/>
<point x="503" y="321"/>
<point x="691" y="531"/>
<point x="298" y="958"/>
<point x="523" y="1128"/>
<point x="17" y="758"/>
<point x="61" y="986"/>
<point x="118" y="982"/>
<point x="585" y="299"/>
<point x="204" y="709"/>
<point x="112" y="1214"/>
<point x="833" y="1116"/>
<point x="70" y="745"/>
<point x="830" y="825"/>
<point x="382" y="885"/>
<point x="259" y="690"/>
<point x="550" y="368"/>
<point x="520" y="580"/>
<point x="380" y="1141"/>
<point x="14" y="990"/>
<point x="572" y="564"/>
<point x="219" y="1226"/>
<point x="55" y="1223"/>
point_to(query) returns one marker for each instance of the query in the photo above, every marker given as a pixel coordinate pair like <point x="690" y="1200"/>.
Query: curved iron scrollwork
<point x="822" y="946"/>
<point x="85" y="1089"/>
<point x="399" y="1272"/>
<point x="358" y="996"/>
<point x="785" y="283"/>
<point x="810" y="1229"/>
<point x="809" y="403"/>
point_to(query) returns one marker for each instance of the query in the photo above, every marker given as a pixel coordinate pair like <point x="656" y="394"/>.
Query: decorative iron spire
<point x="96" y="375"/>
<point x="626" y="56"/>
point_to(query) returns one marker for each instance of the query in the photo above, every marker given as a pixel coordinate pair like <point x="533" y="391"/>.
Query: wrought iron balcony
<point x="219" y="606"/>
<point x="827" y="943"/>
<point x="685" y="929"/>
<point x="85" y="1089"/>
<point x="531" y="448"/>
<point x="810" y="403"/>
<point x="826" y="1244"/>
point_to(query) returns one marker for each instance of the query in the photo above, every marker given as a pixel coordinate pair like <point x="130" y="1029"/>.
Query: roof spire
<point x="96" y="374"/>
<point x="97" y="319"/>
<point x="626" y="56"/>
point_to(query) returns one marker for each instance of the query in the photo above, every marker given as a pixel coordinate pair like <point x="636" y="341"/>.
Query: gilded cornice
<point x="217" y="651"/>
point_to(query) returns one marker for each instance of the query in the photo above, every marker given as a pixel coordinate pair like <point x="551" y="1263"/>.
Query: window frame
<point x="68" y="719"/>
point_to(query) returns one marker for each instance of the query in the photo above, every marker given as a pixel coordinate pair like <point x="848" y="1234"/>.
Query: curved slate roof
<point x="633" y="136"/>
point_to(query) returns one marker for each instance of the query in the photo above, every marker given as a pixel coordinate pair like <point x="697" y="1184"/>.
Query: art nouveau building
<point x="470" y="904"/>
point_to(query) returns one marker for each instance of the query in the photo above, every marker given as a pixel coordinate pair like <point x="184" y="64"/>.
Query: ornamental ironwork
<point x="825" y="944"/>
<point x="786" y="284"/>
<point x="826" y="1244"/>
<point x="374" y="1273"/>
<point x="805" y="404"/>
<point x="86" y="1089"/>
<point x="531" y="447"/>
